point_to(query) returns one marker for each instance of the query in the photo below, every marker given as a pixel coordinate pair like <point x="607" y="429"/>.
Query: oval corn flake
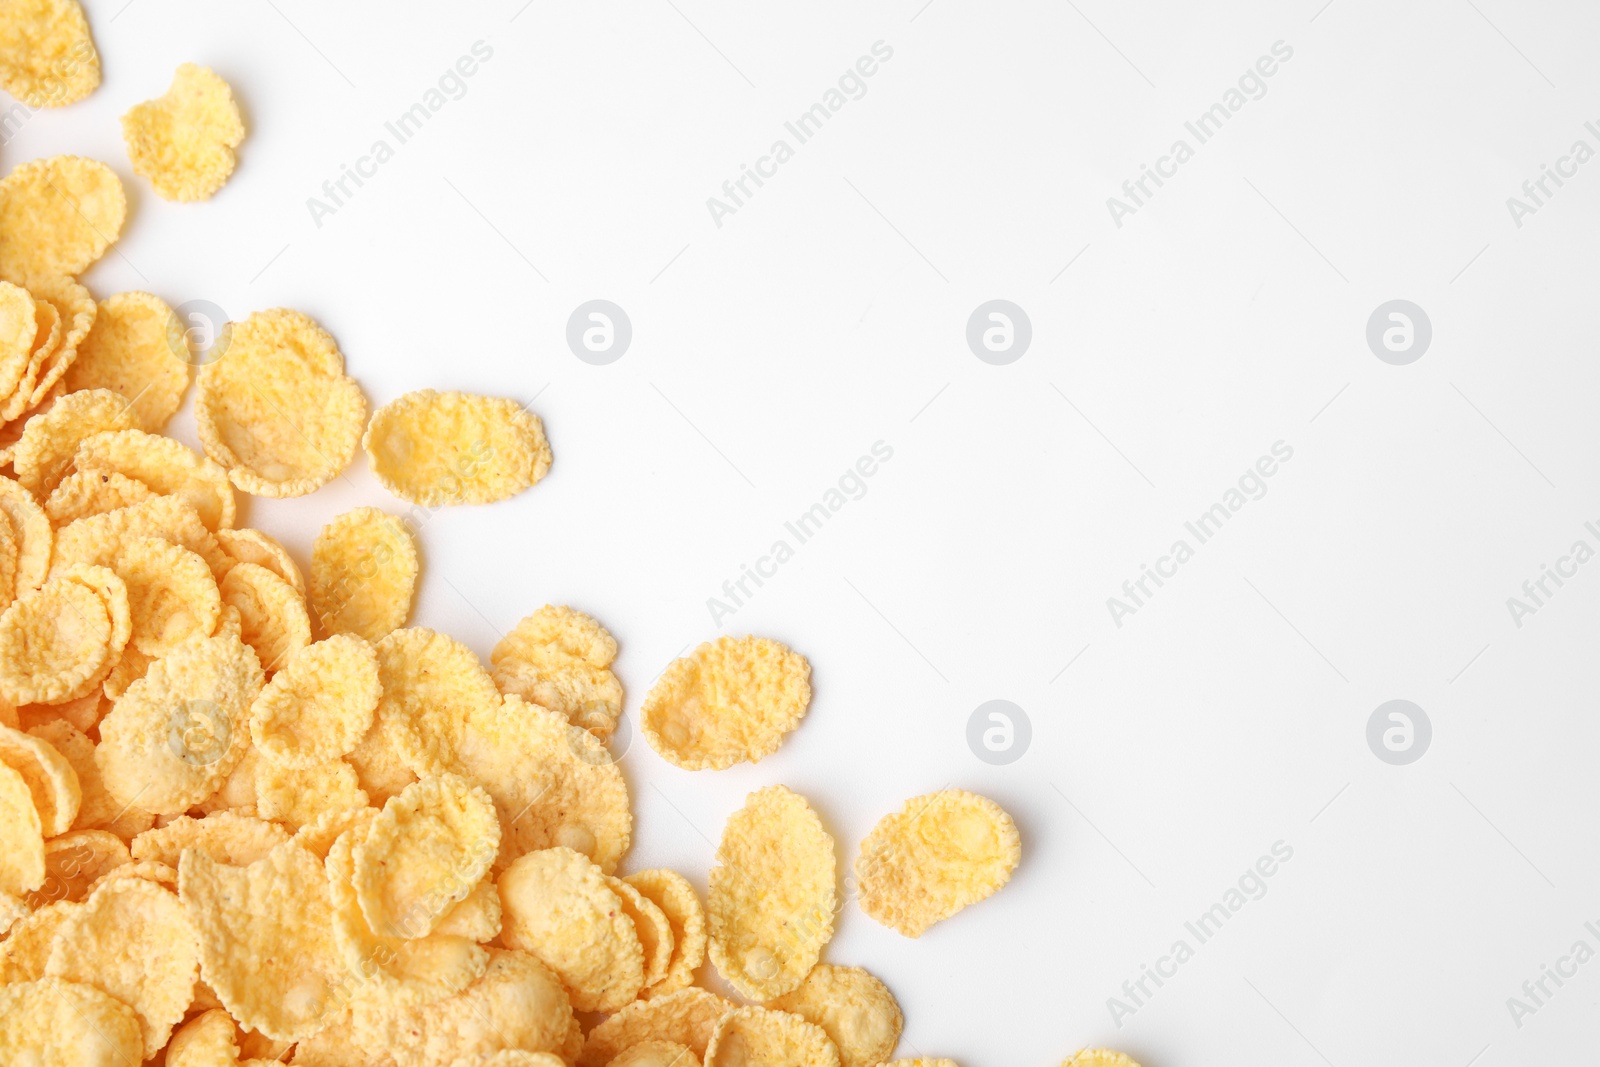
<point x="130" y="351"/>
<point x="363" y="573"/>
<point x="773" y="894"/>
<point x="678" y="901"/>
<point x="296" y="796"/>
<point x="936" y="855"/>
<point x="656" y="1054"/>
<point x="49" y="57"/>
<point x="165" y="465"/>
<point x="319" y="706"/>
<point x="183" y="141"/>
<point x="226" y="837"/>
<point x="275" y="408"/>
<point x="756" y="1035"/>
<point x="855" y="1009"/>
<point x="271" y="611"/>
<point x="726" y="702"/>
<point x="55" y="643"/>
<point x="22" y="868"/>
<point x="431" y="683"/>
<point x="561" y="659"/>
<point x="557" y="905"/>
<point x="434" y="448"/>
<point x="172" y="597"/>
<point x="687" y="1017"/>
<point x="58" y="216"/>
<point x="650" y="924"/>
<point x="57" y="794"/>
<point x="43" y="455"/>
<point x="54" y="1021"/>
<point x="252" y="546"/>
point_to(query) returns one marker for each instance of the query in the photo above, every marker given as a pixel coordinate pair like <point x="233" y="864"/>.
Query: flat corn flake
<point x="757" y="1036"/>
<point x="26" y="951"/>
<point x="132" y="940"/>
<point x="97" y="809"/>
<point x="936" y="855"/>
<point x="57" y="795"/>
<point x="21" y="839"/>
<point x="183" y="141"/>
<point x="517" y="1004"/>
<point x="773" y="894"/>
<point x="687" y="1017"/>
<point x="134" y="350"/>
<point x="552" y="783"/>
<point x="172" y="597"/>
<point x="855" y="1009"/>
<point x="319" y="706"/>
<point x="296" y="796"/>
<point x="49" y="57"/>
<point x="76" y="309"/>
<point x="82" y="493"/>
<point x="726" y="702"/>
<point x="272" y="613"/>
<point x="19" y="326"/>
<point x="43" y="455"/>
<point x="275" y="408"/>
<point x="57" y="642"/>
<point x="207" y="1040"/>
<point x="34" y="535"/>
<point x="557" y="905"/>
<point x="656" y="1054"/>
<point x="99" y="539"/>
<point x="175" y="735"/>
<point x="1098" y="1057"/>
<point x="363" y="573"/>
<point x="165" y="465"/>
<point x="58" y="216"/>
<point x="266" y="939"/>
<point x="226" y="837"/>
<point x="426" y="850"/>
<point x="53" y="1021"/>
<point x="678" y="901"/>
<point x="561" y="659"/>
<point x="431" y="684"/>
<point x="650" y="924"/>
<point x="252" y="546"/>
<point x="435" y="448"/>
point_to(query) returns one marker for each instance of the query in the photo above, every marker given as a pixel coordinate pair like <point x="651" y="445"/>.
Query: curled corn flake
<point x="321" y="833"/>
<point x="54" y="1021"/>
<point x="320" y="705"/>
<point x="672" y="893"/>
<point x="757" y="1035"/>
<point x="237" y="840"/>
<point x="57" y="216"/>
<point x="18" y="407"/>
<point x="57" y="642"/>
<point x="166" y="466"/>
<point x="57" y="795"/>
<point x="21" y="838"/>
<point x="49" y="59"/>
<point x="650" y="923"/>
<point x="855" y="1009"/>
<point x="207" y="1040"/>
<point x="687" y="1017"/>
<point x="76" y="310"/>
<point x="43" y="454"/>
<point x="82" y="494"/>
<point x="183" y="141"/>
<point x="435" y="448"/>
<point x="99" y="539"/>
<point x="363" y="573"/>
<point x="131" y="351"/>
<point x="19" y="327"/>
<point x="272" y="613"/>
<point x="561" y="659"/>
<point x="34" y="536"/>
<point x="253" y="546"/>
<point x="431" y="683"/>
<point x="726" y="702"/>
<point x="171" y="594"/>
<point x="75" y="862"/>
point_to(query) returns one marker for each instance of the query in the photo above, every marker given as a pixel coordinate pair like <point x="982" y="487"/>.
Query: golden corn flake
<point x="12" y="910"/>
<point x="76" y="309"/>
<point x="171" y="595"/>
<point x="511" y="1057"/>
<point x="431" y="683"/>
<point x="477" y="918"/>
<point x="97" y="809"/>
<point x="756" y="1035"/>
<point x="17" y="408"/>
<point x="74" y="862"/>
<point x="271" y="611"/>
<point x="184" y="141"/>
<point x="57" y="795"/>
<point x="57" y="216"/>
<point x="82" y="494"/>
<point x="83" y="713"/>
<point x="1098" y="1057"/>
<point x="425" y="851"/>
<point x="226" y="837"/>
<point x="32" y="527"/>
<point x="275" y="408"/>
<point x="150" y="871"/>
<point x="318" y="836"/>
<point x="552" y="783"/>
<point x="166" y="466"/>
<point x="26" y="951"/>
<point x="10" y="549"/>
<point x="726" y="702"/>
<point x="320" y="705"/>
<point x="49" y="57"/>
<point x="936" y="855"/>
<point x="19" y="327"/>
<point x="175" y="735"/>
<point x="253" y="546"/>
<point x="922" y="1061"/>
<point x="53" y="1021"/>
<point x="557" y="905"/>
<point x="456" y="448"/>
<point x="43" y="454"/>
<point x="207" y="1040"/>
<point x="561" y="659"/>
<point x="656" y="1054"/>
<point x="266" y="939"/>
<point x="678" y="901"/>
<point x="858" y="1013"/>
<point x="772" y="894"/>
<point x="99" y="539"/>
<point x="688" y="1017"/>
<point x="650" y="923"/>
<point x="132" y="940"/>
<point x="363" y="573"/>
<point x="21" y="839"/>
<point x="130" y="350"/>
<point x="296" y="796"/>
<point x="56" y="642"/>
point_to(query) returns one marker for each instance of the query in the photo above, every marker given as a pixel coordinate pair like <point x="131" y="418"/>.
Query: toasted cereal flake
<point x="688" y="1017"/>
<point x="131" y="351"/>
<point x="175" y="735"/>
<point x="55" y="643"/>
<point x="296" y="796"/>
<point x="132" y="941"/>
<point x="517" y="1004"/>
<point x="166" y="466"/>
<point x="435" y="448"/>
<point x="377" y="761"/>
<point x="98" y="809"/>
<point x="129" y="669"/>
<point x="275" y="408"/>
<point x="57" y="216"/>
<point x="26" y="951"/>
<point x="12" y="911"/>
<point x="32" y="527"/>
<point x="557" y="905"/>
<point x="855" y="1009"/>
<point x="237" y="840"/>
<point x="85" y="493"/>
<point x="57" y="796"/>
<point x="650" y="923"/>
<point x="431" y="683"/>
<point x="552" y="783"/>
<point x="319" y="706"/>
<point x="936" y="855"/>
<point x="253" y="546"/>
<point x="511" y="1057"/>
<point x="1098" y="1057"/>
<point x="10" y="548"/>
<point x="19" y="327"/>
<point x="183" y="141"/>
<point x="76" y="309"/>
<point x="75" y="862"/>
<point x="18" y="407"/>
<point x="43" y="454"/>
<point x="726" y="702"/>
<point x="53" y="1021"/>
<point x="426" y="851"/>
<point x="772" y="894"/>
<point x="477" y="918"/>
<point x="320" y="834"/>
<point x="672" y="893"/>
<point x="207" y="1040"/>
<point x="21" y="839"/>
<point x="83" y="713"/>
<point x="99" y="539"/>
<point x="561" y="659"/>
<point x="363" y="573"/>
<point x="49" y="58"/>
<point x="171" y="595"/>
<point x="656" y="1054"/>
<point x="266" y="939"/>
<point x="271" y="611"/>
<point x="756" y="1035"/>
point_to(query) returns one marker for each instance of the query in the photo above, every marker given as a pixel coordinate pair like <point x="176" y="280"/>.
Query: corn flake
<point x="756" y="1035"/>
<point x="22" y="868"/>
<point x="57" y="216"/>
<point x="183" y="141"/>
<point x="687" y="1017"/>
<point x="131" y="351"/>
<point x="166" y="466"/>
<point x="272" y="613"/>
<point x="54" y="1021"/>
<point x="561" y="659"/>
<point x="49" y="57"/>
<point x="678" y="901"/>
<point x="435" y="448"/>
<point x="43" y="455"/>
<point x="855" y="1009"/>
<point x="363" y="573"/>
<point x="726" y="702"/>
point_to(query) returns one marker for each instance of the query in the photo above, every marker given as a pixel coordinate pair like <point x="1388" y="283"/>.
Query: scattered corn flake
<point x="431" y="684"/>
<point x="34" y="535"/>
<point x="296" y="796"/>
<point x="855" y="1009"/>
<point x="21" y="839"/>
<point x="57" y="796"/>
<point x="688" y="1017"/>
<point x="1098" y="1057"/>
<point x="726" y="702"/>
<point x="18" y="407"/>
<point x="434" y="448"/>
<point x="748" y="1036"/>
<point x="84" y="493"/>
<point x="363" y="573"/>
<point x="57" y="642"/>
<point x="650" y="924"/>
<point x="54" y="1021"/>
<point x="49" y="57"/>
<point x="656" y="1054"/>
<point x="225" y="836"/>
<point x="271" y="611"/>
<point x="183" y="141"/>
<point x="678" y="901"/>
<point x="99" y="539"/>
<point x="76" y="309"/>
<point x="165" y="465"/>
<point x="98" y="809"/>
<point x="58" y="216"/>
<point x="245" y="545"/>
<point x="171" y="595"/>
<point x="19" y="327"/>
<point x="43" y="455"/>
<point x="561" y="659"/>
<point x="134" y="349"/>
<point x="320" y="705"/>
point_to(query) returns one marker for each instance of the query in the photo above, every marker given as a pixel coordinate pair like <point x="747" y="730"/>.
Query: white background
<point x="829" y="313"/>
